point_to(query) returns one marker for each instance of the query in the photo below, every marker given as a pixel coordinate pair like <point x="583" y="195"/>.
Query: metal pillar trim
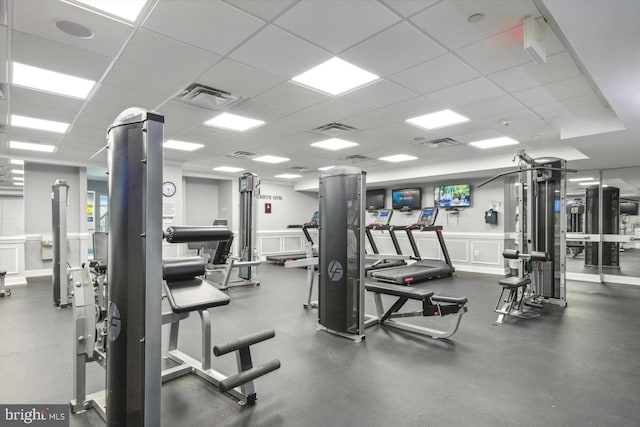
<point x="59" y="203"/>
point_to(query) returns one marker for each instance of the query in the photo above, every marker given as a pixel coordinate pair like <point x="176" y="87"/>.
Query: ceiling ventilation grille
<point x="241" y="155"/>
<point x="300" y="168"/>
<point x="210" y="98"/>
<point x="357" y="158"/>
<point x="438" y="143"/>
<point x="333" y="129"/>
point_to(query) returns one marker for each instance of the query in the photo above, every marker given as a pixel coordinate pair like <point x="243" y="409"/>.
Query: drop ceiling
<point x="578" y="105"/>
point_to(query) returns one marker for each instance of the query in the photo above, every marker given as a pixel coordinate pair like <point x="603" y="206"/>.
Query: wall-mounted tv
<point x="375" y="199"/>
<point x="410" y="198"/>
<point x="629" y="208"/>
<point x="452" y="196"/>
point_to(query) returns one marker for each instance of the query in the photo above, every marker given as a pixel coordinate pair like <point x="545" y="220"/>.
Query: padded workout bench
<point x="432" y="305"/>
<point x="187" y="293"/>
<point x="514" y="304"/>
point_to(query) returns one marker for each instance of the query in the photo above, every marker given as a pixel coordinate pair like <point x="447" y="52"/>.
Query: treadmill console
<point x="384" y="216"/>
<point x="428" y="216"/>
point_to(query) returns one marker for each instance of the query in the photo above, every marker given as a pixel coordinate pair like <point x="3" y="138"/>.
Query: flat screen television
<point x="410" y="198"/>
<point x="629" y="208"/>
<point x="452" y="196"/>
<point x="375" y="199"/>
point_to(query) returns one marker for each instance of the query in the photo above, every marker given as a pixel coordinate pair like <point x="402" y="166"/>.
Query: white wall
<point x="201" y="200"/>
<point x="38" y="179"/>
<point x="287" y="206"/>
<point x="11" y="216"/>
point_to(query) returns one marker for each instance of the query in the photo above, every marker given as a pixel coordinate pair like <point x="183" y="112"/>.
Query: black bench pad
<point x="451" y="299"/>
<point x="399" y="291"/>
<point x="514" y="282"/>
<point x="194" y="294"/>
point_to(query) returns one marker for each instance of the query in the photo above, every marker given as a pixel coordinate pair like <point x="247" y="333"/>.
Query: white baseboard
<point x="15" y="281"/>
<point x="39" y="273"/>
<point x="500" y="271"/>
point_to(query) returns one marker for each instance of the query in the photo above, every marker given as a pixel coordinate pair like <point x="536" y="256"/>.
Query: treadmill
<point x="423" y="269"/>
<point x="382" y="224"/>
<point x="282" y="258"/>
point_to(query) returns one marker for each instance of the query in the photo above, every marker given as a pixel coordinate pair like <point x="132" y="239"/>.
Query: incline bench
<point x="432" y="305"/>
<point x="186" y="292"/>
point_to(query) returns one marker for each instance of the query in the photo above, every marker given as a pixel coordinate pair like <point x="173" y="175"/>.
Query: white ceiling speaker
<point x="534" y="33"/>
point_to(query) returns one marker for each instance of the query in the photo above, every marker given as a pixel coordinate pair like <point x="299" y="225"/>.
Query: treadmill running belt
<point x="421" y="270"/>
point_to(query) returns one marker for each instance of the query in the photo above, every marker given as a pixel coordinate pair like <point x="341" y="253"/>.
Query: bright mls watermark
<point x="34" y="415"/>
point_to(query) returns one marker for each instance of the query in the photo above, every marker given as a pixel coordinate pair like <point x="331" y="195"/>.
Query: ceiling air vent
<point x="241" y="155"/>
<point x="357" y="158"/>
<point x="438" y="143"/>
<point x="207" y="97"/>
<point x="333" y="129"/>
<point x="300" y="168"/>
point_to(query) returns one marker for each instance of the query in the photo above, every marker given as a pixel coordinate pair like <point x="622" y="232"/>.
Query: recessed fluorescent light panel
<point x="494" y="142"/>
<point x="227" y="169"/>
<point x="17" y="171"/>
<point x="335" y="76"/>
<point x="271" y="159"/>
<point x="39" y="124"/>
<point x="288" y="176"/>
<point x="19" y="183"/>
<point x="590" y="183"/>
<point x="125" y="9"/>
<point x="438" y="119"/>
<point x="233" y="122"/>
<point x="18" y="178"/>
<point x="29" y="146"/>
<point x="326" y="168"/>
<point x="334" y="144"/>
<point x="50" y="81"/>
<point x="172" y="144"/>
<point x="586" y="178"/>
<point x="17" y="162"/>
<point x="398" y="158"/>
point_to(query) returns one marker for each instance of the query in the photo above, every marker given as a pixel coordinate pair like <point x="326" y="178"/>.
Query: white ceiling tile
<point x="301" y="121"/>
<point x="495" y="53"/>
<point x="266" y="10"/>
<point x="290" y="97"/>
<point x="574" y="106"/>
<point x="98" y="116"/>
<point x="558" y="67"/>
<point x="519" y="122"/>
<point x="109" y="35"/>
<point x="409" y="7"/>
<point x="43" y="105"/>
<point x="336" y="24"/>
<point x="458" y="132"/>
<point x="439" y="73"/>
<point x="553" y="92"/>
<point x="466" y="93"/>
<point x="278" y="52"/>
<point x="156" y="82"/>
<point x="179" y="117"/>
<point x="150" y="50"/>
<point x="232" y="76"/>
<point x="410" y="108"/>
<point x="489" y="107"/>
<point x="369" y="120"/>
<point x="258" y="110"/>
<point x="392" y="50"/>
<point x="39" y="52"/>
<point x="447" y="20"/>
<point x="124" y="98"/>
<point x="335" y="109"/>
<point x="378" y="95"/>
<point x="210" y="25"/>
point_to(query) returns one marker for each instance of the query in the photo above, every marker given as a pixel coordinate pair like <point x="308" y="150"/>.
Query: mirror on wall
<point x="11" y="197"/>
